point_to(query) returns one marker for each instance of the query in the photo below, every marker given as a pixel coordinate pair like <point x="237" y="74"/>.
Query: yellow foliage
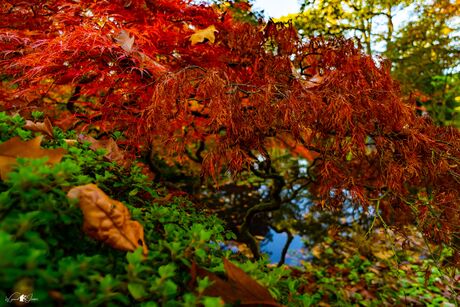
<point x="206" y="34"/>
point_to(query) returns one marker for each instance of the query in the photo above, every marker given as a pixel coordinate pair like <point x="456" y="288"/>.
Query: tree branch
<point x="272" y="205"/>
<point x="286" y="245"/>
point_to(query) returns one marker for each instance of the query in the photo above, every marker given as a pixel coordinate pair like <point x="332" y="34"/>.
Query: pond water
<point x="274" y="242"/>
<point x="273" y="245"/>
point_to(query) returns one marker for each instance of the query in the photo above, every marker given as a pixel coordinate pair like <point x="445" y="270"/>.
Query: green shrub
<point x="46" y="253"/>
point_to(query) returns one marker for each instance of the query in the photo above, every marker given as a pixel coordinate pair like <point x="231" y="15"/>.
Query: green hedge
<point x="46" y="253"/>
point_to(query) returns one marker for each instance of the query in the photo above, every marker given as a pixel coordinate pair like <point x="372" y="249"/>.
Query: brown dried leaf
<point x="108" y="220"/>
<point x="125" y="41"/>
<point x="312" y="82"/>
<point x="44" y="127"/>
<point x="317" y="250"/>
<point x="383" y="254"/>
<point x="113" y="152"/>
<point x="15" y="148"/>
<point x="239" y="287"/>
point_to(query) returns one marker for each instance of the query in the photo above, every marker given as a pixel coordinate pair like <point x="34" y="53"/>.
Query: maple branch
<point x="197" y="157"/>
<point x="286" y="245"/>
<point x="312" y="177"/>
<point x="273" y="205"/>
<point x="296" y="192"/>
<point x="71" y="102"/>
<point x="310" y="147"/>
<point x="193" y="67"/>
<point x="238" y="86"/>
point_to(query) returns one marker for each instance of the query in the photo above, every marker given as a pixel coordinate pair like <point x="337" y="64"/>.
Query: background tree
<point x="425" y="56"/>
<point x="422" y="48"/>
<point x="204" y="93"/>
<point x="370" y="21"/>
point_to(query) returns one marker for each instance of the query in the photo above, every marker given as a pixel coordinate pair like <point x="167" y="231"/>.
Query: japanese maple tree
<point x="195" y="84"/>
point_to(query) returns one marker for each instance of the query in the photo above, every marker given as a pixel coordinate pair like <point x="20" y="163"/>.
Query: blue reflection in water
<point x="274" y="242"/>
<point x="273" y="245"/>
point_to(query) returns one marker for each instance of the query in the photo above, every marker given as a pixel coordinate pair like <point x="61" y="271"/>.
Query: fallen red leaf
<point x="44" y="127"/>
<point x="239" y="287"/>
<point x="113" y="152"/>
<point x="108" y="220"/>
<point x="15" y="148"/>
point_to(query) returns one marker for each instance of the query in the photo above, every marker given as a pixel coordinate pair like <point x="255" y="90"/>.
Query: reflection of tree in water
<point x="231" y="202"/>
<point x="278" y="201"/>
<point x="299" y="218"/>
<point x="284" y="186"/>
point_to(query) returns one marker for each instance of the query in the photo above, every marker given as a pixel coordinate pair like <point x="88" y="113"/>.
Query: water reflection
<point x="274" y="243"/>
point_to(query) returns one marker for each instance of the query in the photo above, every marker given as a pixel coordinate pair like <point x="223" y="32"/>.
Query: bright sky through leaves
<point x="277" y="8"/>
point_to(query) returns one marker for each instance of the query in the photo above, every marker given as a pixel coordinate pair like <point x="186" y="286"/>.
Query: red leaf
<point x="113" y="152"/>
<point x="44" y="127"/>
<point x="239" y="286"/>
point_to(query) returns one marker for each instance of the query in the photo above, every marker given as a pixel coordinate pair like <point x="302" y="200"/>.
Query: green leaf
<point x="212" y="302"/>
<point x="37" y="115"/>
<point x="201" y="254"/>
<point x="137" y="291"/>
<point x="133" y="192"/>
<point x="167" y="270"/>
<point x="135" y="257"/>
<point x="203" y="283"/>
<point x="169" y="288"/>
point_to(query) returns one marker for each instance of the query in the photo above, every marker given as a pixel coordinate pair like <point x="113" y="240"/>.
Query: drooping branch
<point x="272" y="205"/>
<point x="290" y="237"/>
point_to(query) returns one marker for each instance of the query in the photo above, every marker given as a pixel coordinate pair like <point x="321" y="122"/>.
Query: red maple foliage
<point x="237" y="91"/>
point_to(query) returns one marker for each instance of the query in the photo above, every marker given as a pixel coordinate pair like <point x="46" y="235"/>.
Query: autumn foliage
<point x="181" y="78"/>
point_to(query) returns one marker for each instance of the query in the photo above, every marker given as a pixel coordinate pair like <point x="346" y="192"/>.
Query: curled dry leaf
<point x="312" y="82"/>
<point x="113" y="152"/>
<point x="108" y="220"/>
<point x="238" y="288"/>
<point x="201" y="35"/>
<point x="125" y="41"/>
<point x="15" y="148"/>
<point x="44" y="127"/>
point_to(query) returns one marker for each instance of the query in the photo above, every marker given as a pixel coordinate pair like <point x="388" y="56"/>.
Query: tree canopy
<point x="419" y="37"/>
<point x="197" y="87"/>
